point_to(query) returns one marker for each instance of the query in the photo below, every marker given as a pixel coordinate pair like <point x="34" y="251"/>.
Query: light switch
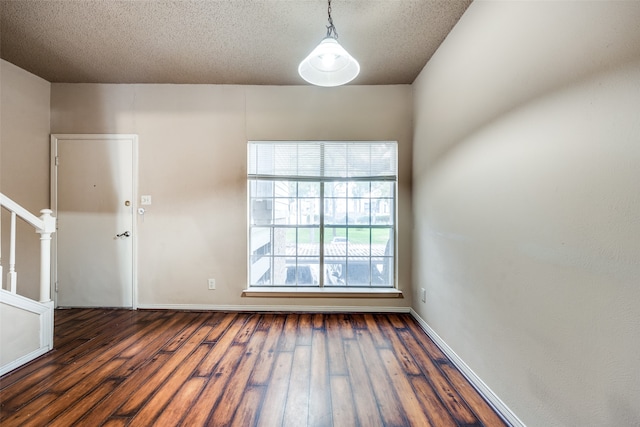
<point x="145" y="200"/>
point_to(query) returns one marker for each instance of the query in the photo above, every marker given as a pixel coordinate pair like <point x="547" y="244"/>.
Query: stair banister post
<point x="49" y="227"/>
<point x="1" y="276"/>
<point x="12" y="276"/>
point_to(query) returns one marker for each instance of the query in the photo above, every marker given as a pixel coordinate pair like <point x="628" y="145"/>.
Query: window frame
<point x="322" y="226"/>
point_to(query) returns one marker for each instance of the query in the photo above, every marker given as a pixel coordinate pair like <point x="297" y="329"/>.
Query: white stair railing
<point x="45" y="226"/>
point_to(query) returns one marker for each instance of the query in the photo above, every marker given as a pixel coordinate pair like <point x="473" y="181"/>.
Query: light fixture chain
<point x="331" y="29"/>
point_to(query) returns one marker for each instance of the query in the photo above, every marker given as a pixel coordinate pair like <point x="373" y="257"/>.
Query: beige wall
<point x="526" y="205"/>
<point x="24" y="165"/>
<point x="192" y="151"/>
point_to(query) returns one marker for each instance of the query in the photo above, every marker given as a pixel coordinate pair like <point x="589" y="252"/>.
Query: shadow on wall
<point x="537" y="64"/>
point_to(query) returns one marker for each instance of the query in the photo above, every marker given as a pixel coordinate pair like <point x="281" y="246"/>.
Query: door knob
<point x="121" y="235"/>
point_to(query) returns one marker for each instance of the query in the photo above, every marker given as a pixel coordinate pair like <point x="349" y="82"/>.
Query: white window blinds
<point x="323" y="160"/>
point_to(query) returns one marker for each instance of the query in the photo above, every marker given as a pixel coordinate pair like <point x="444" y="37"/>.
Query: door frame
<point x="134" y="208"/>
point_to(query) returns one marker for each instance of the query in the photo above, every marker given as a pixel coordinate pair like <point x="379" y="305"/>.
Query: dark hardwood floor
<point x="165" y="368"/>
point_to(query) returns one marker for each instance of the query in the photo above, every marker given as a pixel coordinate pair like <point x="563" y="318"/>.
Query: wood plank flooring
<point x="170" y="368"/>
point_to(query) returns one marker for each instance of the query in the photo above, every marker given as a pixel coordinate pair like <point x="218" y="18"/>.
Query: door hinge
<point x="56" y="286"/>
<point x="57" y="160"/>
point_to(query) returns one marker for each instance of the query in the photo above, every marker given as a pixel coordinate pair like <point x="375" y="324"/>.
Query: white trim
<point x="23" y="360"/>
<point x="53" y="191"/>
<point x="134" y="223"/>
<point x="23" y="303"/>
<point x="275" y="308"/>
<point x="324" y="292"/>
<point x="47" y="326"/>
<point x="498" y="405"/>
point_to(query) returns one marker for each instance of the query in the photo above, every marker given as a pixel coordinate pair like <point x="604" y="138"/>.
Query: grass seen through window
<point x="356" y="235"/>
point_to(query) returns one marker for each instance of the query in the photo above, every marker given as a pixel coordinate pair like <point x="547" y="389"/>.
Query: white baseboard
<point x="23" y="360"/>
<point x="275" y="308"/>
<point x="484" y="390"/>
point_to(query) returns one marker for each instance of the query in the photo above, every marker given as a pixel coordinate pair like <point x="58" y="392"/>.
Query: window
<point x="322" y="214"/>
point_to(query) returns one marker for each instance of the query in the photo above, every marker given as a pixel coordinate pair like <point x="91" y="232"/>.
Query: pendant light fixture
<point x="329" y="64"/>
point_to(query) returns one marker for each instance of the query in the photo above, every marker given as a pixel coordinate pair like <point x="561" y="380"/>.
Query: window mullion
<point x="321" y="262"/>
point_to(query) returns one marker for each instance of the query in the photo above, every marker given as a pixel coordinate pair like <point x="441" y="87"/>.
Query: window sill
<point x="278" y="292"/>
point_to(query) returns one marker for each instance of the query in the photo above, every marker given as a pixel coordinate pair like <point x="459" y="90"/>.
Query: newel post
<point x="12" y="276"/>
<point x="49" y="227"/>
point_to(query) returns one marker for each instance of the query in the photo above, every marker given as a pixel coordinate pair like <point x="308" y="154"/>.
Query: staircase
<point x="26" y="325"/>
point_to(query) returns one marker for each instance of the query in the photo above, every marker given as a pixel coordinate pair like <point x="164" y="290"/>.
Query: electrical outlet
<point x="423" y="294"/>
<point x="212" y="283"/>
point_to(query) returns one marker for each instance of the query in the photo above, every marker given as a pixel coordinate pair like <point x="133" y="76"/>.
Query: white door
<point x="93" y="197"/>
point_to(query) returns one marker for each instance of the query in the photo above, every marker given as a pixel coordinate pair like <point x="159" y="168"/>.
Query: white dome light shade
<point x="329" y="64"/>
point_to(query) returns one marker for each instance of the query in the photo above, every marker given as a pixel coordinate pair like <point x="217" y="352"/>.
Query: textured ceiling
<point x="218" y="42"/>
